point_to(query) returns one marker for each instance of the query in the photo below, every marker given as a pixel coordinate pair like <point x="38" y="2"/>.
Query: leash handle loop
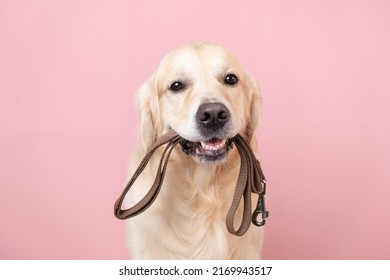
<point x="172" y="139"/>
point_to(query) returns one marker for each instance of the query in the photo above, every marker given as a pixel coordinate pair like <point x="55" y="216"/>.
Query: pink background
<point x="68" y="73"/>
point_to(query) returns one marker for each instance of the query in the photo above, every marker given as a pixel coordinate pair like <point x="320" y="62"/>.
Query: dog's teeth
<point x="214" y="147"/>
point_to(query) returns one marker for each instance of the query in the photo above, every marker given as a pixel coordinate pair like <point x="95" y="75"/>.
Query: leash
<point x="250" y="180"/>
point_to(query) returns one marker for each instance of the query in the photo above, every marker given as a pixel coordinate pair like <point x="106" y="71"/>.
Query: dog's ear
<point x="147" y="113"/>
<point x="254" y="109"/>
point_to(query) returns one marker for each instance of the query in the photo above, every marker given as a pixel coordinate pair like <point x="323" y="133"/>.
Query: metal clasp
<point x="260" y="208"/>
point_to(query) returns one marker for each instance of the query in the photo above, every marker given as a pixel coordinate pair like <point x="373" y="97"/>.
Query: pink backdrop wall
<point x="68" y="72"/>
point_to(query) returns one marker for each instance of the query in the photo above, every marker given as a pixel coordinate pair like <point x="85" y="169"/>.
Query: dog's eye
<point x="231" y="79"/>
<point x="177" y="86"/>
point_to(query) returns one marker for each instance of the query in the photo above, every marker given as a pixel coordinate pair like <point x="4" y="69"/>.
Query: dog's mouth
<point x="211" y="151"/>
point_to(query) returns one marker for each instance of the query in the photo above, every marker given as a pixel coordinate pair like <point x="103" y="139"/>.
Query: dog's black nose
<point x="212" y="115"/>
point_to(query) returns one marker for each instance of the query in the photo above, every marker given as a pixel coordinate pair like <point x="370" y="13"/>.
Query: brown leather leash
<point x="250" y="180"/>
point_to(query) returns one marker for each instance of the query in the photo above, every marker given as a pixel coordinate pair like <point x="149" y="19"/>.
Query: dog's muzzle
<point x="212" y="121"/>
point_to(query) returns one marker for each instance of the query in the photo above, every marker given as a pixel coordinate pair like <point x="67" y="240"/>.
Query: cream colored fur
<point x="187" y="220"/>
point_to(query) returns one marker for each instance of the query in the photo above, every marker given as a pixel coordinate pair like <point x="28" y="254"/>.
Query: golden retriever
<point x="202" y="93"/>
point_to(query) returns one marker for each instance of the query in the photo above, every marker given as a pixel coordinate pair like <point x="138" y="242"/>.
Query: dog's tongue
<point x="213" y="142"/>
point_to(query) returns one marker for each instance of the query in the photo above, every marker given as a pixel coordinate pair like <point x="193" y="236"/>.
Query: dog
<point x="202" y="93"/>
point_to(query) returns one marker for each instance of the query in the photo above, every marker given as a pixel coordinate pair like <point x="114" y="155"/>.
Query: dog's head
<point x="201" y="92"/>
